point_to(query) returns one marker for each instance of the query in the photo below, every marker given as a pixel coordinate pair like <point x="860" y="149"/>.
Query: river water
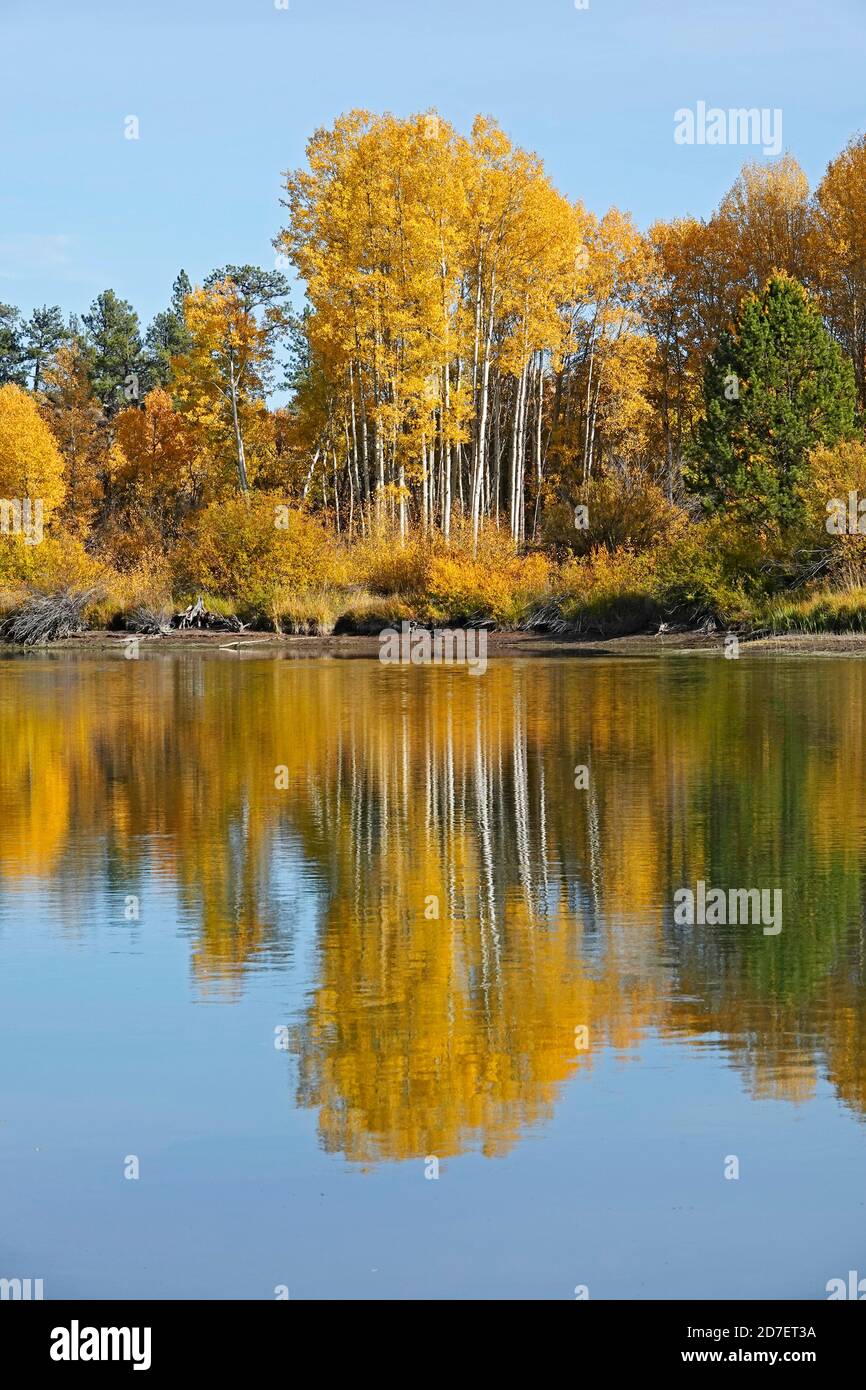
<point x="340" y="980"/>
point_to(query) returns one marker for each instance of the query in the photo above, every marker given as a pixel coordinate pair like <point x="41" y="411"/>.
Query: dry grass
<point x="828" y="611"/>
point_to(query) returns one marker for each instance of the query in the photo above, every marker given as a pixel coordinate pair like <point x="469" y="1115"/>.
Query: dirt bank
<point x="500" y="644"/>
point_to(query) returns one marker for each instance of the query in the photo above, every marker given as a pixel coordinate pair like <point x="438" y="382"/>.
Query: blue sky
<point x="227" y="92"/>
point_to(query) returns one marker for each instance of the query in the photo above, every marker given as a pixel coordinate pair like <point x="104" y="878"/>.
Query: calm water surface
<point x="220" y="953"/>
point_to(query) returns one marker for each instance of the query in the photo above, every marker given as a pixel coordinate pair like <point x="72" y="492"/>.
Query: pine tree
<point x="774" y="388"/>
<point x="11" y="347"/>
<point x="44" y="333"/>
<point x="167" y="337"/>
<point x="113" y="343"/>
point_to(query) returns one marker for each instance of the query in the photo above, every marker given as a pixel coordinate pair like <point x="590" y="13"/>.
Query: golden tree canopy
<point x="31" y="465"/>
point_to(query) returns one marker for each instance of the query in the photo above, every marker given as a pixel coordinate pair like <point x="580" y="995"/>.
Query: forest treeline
<point x="496" y="403"/>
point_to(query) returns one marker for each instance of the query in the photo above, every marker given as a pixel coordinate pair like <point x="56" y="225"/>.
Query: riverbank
<point x="499" y="644"/>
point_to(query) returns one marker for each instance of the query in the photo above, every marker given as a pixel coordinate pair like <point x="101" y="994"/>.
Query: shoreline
<point x="499" y="644"/>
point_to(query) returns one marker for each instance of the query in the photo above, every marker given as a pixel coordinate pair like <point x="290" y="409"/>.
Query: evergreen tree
<point x="11" y="347"/>
<point x="774" y="388"/>
<point x="113" y="343"/>
<point x="44" y="333"/>
<point x="167" y="336"/>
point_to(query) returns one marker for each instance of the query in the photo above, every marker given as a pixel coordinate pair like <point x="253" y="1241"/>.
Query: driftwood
<point x="200" y="617"/>
<point x="547" y="617"/>
<point x="146" y="621"/>
<point x="49" y="617"/>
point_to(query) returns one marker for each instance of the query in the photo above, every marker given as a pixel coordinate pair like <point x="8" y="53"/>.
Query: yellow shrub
<point x="249" y="550"/>
<point x="605" y="572"/>
<point x="499" y="584"/>
<point x="834" y="473"/>
<point x="387" y="568"/>
<point x="607" y="592"/>
<point x="60" y="561"/>
<point x="445" y="582"/>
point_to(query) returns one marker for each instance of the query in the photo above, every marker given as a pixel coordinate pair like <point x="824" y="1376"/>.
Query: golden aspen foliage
<point x="840" y="258"/>
<point x="219" y="382"/>
<point x="769" y="217"/>
<point x="31" y="465"/>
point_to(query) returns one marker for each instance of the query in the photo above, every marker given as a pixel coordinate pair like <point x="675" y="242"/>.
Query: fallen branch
<point x="50" y="617"/>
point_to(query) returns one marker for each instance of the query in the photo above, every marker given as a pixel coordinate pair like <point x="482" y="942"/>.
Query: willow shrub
<point x="622" y="513"/>
<point x="715" y="570"/>
<point x="58" y="561"/>
<point x="249" y="551"/>
<point x="444" y="584"/>
<point x="384" y="566"/>
<point x="607" y="593"/>
<point x="59" y="564"/>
